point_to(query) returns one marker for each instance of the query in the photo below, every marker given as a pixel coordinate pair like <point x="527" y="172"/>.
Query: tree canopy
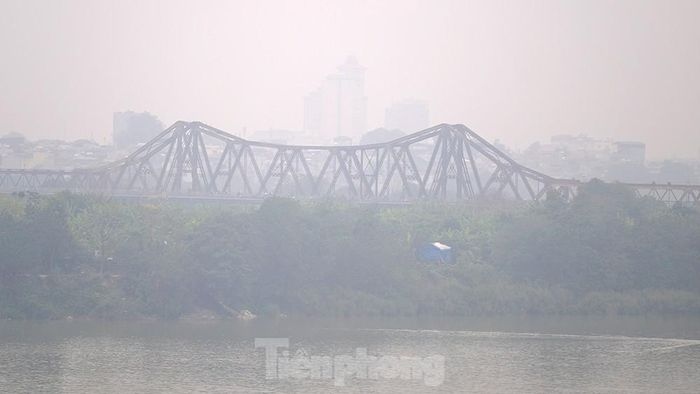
<point x="607" y="251"/>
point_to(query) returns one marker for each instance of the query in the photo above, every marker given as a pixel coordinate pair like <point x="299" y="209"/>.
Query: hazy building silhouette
<point x="630" y="152"/>
<point x="674" y="171"/>
<point x="408" y="116"/>
<point x="339" y="106"/>
<point x="380" y="135"/>
<point x="131" y="128"/>
<point x="13" y="139"/>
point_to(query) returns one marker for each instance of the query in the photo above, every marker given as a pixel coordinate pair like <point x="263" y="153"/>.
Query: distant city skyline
<point x="517" y="72"/>
<point x="338" y="107"/>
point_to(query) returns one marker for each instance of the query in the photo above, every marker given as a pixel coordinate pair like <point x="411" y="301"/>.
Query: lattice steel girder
<point x="444" y="162"/>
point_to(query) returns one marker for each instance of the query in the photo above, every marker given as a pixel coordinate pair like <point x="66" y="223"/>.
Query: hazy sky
<point x="518" y="71"/>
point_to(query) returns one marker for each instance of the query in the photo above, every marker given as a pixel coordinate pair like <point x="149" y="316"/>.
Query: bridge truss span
<point x="191" y="159"/>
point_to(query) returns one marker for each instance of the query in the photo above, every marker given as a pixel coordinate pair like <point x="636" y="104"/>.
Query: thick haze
<point x="516" y="71"/>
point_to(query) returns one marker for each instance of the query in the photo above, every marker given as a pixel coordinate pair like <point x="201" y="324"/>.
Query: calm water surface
<point x="484" y="355"/>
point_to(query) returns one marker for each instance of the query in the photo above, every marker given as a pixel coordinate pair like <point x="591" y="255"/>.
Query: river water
<point x="573" y="354"/>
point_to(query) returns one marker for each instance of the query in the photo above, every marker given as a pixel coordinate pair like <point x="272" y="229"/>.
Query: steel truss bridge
<point x="194" y="160"/>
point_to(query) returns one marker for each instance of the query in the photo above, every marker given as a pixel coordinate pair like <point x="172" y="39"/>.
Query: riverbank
<point x="649" y="326"/>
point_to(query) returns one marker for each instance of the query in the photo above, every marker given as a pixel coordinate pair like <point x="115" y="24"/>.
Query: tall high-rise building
<point x="408" y="116"/>
<point x="339" y="106"/>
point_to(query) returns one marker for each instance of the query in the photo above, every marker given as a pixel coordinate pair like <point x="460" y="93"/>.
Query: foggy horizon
<point x="519" y="73"/>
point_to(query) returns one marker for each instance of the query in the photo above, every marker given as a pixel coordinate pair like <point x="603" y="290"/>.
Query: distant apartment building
<point x="408" y="116"/>
<point x="15" y="152"/>
<point x="132" y="128"/>
<point x="570" y="156"/>
<point x="630" y="152"/>
<point x="14" y="159"/>
<point x="339" y="106"/>
<point x="583" y="157"/>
